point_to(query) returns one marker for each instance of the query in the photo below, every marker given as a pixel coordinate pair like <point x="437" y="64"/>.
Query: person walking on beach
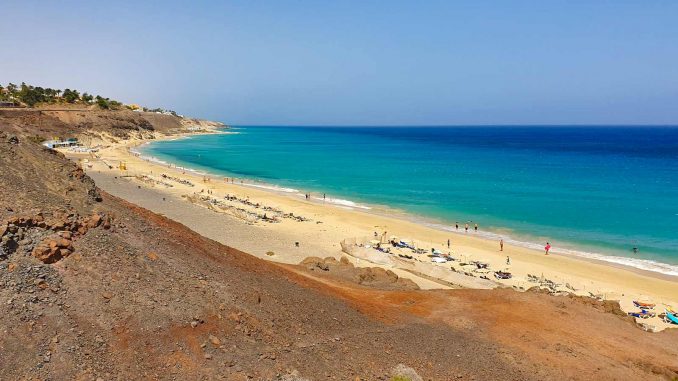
<point x="476" y="227"/>
<point x="448" y="243"/>
<point x="508" y="260"/>
<point x="547" y="248"/>
<point x="501" y="244"/>
<point x="324" y="196"/>
<point x="456" y="225"/>
<point x="466" y="227"/>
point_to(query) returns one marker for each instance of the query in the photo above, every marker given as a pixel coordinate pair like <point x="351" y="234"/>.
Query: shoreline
<point x="589" y="276"/>
<point x="662" y="270"/>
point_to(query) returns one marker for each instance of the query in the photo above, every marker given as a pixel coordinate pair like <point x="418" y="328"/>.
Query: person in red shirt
<point x="547" y="248"/>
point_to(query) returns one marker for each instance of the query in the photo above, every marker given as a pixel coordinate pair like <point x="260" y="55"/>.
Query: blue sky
<point x="358" y="62"/>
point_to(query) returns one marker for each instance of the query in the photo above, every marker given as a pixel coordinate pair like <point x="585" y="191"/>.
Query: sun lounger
<point x="642" y="314"/>
<point x="405" y="245"/>
<point x="671" y="317"/>
<point x="502" y="275"/>
<point x="644" y="306"/>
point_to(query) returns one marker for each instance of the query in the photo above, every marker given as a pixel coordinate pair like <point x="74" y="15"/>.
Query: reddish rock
<point x="215" y="341"/>
<point x="94" y="221"/>
<point x="47" y="255"/>
<point x="64" y="243"/>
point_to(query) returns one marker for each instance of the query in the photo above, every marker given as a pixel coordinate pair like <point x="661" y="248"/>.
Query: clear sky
<point x="357" y="62"/>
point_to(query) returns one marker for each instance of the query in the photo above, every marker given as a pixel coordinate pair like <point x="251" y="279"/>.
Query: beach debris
<point x="271" y="215"/>
<point x="152" y="182"/>
<point x="178" y="180"/>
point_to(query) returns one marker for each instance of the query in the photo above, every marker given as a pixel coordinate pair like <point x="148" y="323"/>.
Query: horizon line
<point x="454" y="125"/>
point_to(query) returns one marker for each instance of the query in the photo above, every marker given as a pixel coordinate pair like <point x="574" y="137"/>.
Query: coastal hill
<point x="93" y="287"/>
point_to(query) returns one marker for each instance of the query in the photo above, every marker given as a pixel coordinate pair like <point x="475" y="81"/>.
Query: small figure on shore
<point x="456" y="225"/>
<point x="501" y="244"/>
<point x="508" y="260"/>
<point x="635" y="249"/>
<point x="466" y="227"/>
<point x="375" y="234"/>
<point x="547" y="248"/>
<point x="448" y="243"/>
<point x="324" y="197"/>
<point x="476" y="227"/>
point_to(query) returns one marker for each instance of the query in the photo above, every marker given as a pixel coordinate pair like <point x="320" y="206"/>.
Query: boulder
<point x="64" y="243"/>
<point x="47" y="254"/>
<point x="94" y="221"/>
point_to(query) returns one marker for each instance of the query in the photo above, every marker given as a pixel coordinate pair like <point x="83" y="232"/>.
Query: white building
<point x="52" y="144"/>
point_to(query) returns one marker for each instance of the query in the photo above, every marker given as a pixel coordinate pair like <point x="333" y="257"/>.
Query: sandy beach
<point x="233" y="213"/>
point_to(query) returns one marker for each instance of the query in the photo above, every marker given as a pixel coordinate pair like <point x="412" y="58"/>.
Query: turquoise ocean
<point x="595" y="192"/>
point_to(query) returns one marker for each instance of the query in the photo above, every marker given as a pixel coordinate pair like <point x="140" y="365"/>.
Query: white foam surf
<point x="342" y="202"/>
<point x="275" y="188"/>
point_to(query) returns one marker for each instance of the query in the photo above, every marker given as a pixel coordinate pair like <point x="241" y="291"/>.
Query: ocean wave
<point x="342" y="202"/>
<point x="164" y="163"/>
<point x="271" y="187"/>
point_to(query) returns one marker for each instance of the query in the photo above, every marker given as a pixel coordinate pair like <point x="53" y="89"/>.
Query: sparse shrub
<point x="404" y="373"/>
<point x="36" y="139"/>
<point x="400" y="378"/>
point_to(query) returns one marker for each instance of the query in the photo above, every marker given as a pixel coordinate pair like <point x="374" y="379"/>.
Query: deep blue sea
<point x="590" y="191"/>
